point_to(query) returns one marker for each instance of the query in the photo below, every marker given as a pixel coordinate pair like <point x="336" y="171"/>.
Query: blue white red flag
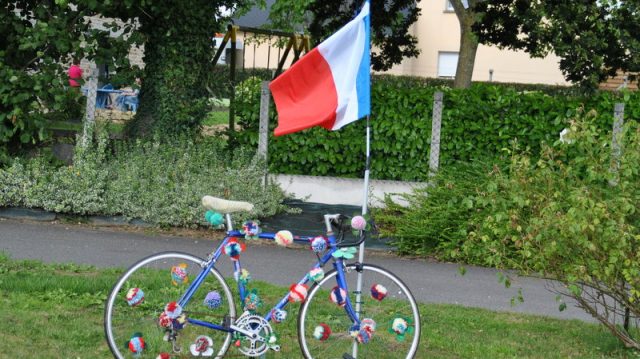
<point x="331" y="85"/>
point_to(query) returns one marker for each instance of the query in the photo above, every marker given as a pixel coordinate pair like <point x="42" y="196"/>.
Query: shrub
<point x="570" y="215"/>
<point x="159" y="182"/>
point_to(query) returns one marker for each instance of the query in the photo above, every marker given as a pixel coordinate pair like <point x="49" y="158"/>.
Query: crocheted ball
<point x="316" y="274"/>
<point x="243" y="277"/>
<point x="163" y="356"/>
<point x="284" y="238"/>
<point x="378" y="292"/>
<point x="322" y="332"/>
<point x="338" y="296"/>
<point x="363" y="336"/>
<point x="318" y="244"/>
<point x="173" y="310"/>
<point x="179" y="274"/>
<point x="233" y="249"/>
<point x="180" y="322"/>
<point x="213" y="300"/>
<point x="251" y="229"/>
<point x="252" y="302"/>
<point x="164" y="321"/>
<point x="358" y="223"/>
<point x="278" y="315"/>
<point x="135" y="296"/>
<point x="297" y="293"/>
<point x="399" y="326"/>
<point x="136" y="344"/>
<point x="368" y="324"/>
<point x="216" y="219"/>
<point x="203" y="346"/>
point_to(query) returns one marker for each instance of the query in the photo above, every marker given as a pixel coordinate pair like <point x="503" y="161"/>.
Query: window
<point x="448" y="7"/>
<point x="447" y="64"/>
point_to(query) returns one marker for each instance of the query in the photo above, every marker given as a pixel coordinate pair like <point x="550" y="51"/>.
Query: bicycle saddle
<point x="225" y="206"/>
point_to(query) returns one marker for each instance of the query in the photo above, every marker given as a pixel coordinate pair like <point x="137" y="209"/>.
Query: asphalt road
<point x="429" y="281"/>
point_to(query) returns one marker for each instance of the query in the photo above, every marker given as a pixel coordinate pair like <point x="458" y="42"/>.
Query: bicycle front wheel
<point x="390" y="320"/>
<point x="141" y="321"/>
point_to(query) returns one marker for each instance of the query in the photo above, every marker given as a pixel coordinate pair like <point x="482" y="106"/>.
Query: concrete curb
<point x="40" y="215"/>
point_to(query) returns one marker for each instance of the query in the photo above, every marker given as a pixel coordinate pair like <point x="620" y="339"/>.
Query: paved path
<point x="430" y="282"/>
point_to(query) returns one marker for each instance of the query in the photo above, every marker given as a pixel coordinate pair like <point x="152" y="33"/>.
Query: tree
<point x="39" y="40"/>
<point x="594" y="39"/>
<point x="177" y="38"/>
<point x="468" y="18"/>
<point x="390" y="22"/>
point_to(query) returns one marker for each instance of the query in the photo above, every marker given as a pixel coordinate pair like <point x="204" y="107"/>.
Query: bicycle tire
<point x="153" y="276"/>
<point x="382" y="343"/>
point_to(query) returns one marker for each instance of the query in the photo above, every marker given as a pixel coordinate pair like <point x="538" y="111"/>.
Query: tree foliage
<point x="390" y="22"/>
<point x="39" y="40"/>
<point x="594" y="39"/>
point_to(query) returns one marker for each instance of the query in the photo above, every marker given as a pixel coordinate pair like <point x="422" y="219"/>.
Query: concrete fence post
<point x="90" y="112"/>
<point x="263" y="133"/>
<point x="616" y="146"/>
<point x="436" y="122"/>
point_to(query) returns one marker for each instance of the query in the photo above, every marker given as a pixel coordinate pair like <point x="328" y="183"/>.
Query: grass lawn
<point x="55" y="311"/>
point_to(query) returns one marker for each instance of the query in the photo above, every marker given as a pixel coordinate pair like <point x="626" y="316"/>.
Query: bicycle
<point x="153" y="308"/>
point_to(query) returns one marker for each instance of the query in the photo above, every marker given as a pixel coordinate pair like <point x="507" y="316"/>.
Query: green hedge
<point x="477" y="123"/>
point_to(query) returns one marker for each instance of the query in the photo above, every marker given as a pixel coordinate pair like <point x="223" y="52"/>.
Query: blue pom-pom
<point x="215" y="218"/>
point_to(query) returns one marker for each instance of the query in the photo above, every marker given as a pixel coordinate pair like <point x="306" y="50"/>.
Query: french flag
<point x="330" y="86"/>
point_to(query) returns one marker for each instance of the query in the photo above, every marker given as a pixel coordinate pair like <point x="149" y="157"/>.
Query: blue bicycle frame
<point x="213" y="258"/>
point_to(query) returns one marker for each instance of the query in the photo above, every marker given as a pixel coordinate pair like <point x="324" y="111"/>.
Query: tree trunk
<point x="468" y="45"/>
<point x="178" y="55"/>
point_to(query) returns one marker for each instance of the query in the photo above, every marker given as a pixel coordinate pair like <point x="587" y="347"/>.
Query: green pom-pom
<point x="214" y="218"/>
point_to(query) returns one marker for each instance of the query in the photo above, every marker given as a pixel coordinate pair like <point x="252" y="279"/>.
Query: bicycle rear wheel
<point x="132" y="318"/>
<point x="325" y="329"/>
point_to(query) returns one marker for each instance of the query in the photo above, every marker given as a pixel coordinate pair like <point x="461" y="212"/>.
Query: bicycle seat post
<point x="327" y="221"/>
<point x="229" y="223"/>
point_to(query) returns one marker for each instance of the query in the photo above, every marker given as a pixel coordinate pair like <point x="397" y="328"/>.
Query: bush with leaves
<point x="158" y="182"/>
<point x="570" y="215"/>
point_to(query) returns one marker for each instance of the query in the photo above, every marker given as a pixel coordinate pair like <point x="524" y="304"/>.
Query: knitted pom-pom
<point x="203" y="346"/>
<point x="233" y="249"/>
<point x="399" y="326"/>
<point x="252" y="301"/>
<point x="318" y="244"/>
<point x="378" y="292"/>
<point x="179" y="274"/>
<point x="322" y="332"/>
<point x="135" y="296"/>
<point x="173" y="310"/>
<point x="163" y="355"/>
<point x="136" y="344"/>
<point x="368" y="324"/>
<point x="316" y="274"/>
<point x="363" y="336"/>
<point x="284" y="238"/>
<point x="358" y="223"/>
<point x="278" y="315"/>
<point x="251" y="229"/>
<point x="243" y="276"/>
<point x="216" y="219"/>
<point x="164" y="321"/>
<point x="179" y="322"/>
<point x="213" y="300"/>
<point x="338" y="296"/>
<point x="297" y="293"/>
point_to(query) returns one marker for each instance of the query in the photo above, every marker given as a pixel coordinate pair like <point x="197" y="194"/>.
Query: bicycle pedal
<point x="275" y="348"/>
<point x="347" y="356"/>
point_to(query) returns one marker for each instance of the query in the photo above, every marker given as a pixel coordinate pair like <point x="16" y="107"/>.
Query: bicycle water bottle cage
<point x="225" y="206"/>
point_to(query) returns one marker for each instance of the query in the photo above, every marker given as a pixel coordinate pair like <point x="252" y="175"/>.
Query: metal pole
<point x="365" y="204"/>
